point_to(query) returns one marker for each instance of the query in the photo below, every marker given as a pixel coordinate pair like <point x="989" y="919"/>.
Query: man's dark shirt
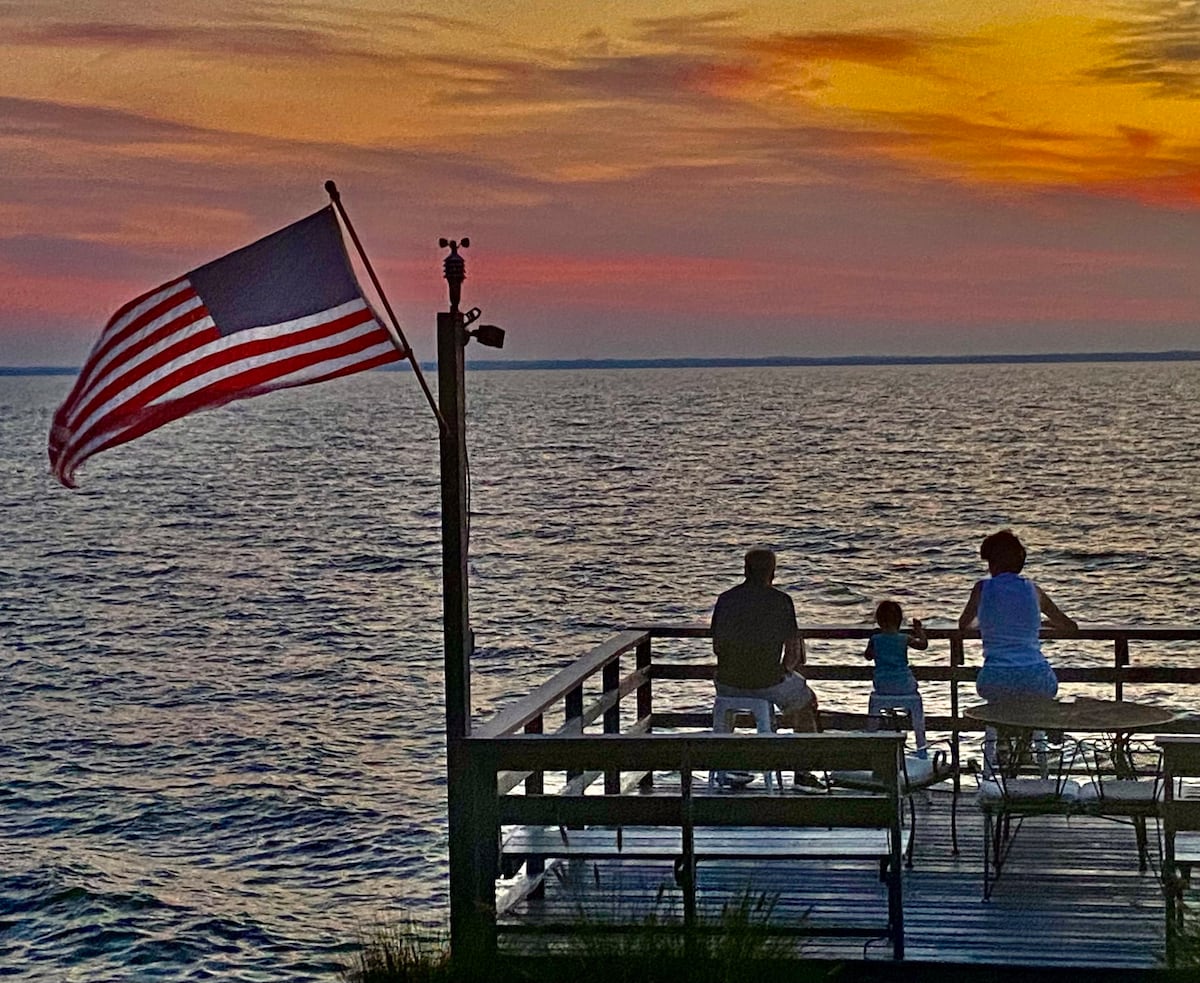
<point x="750" y="623"/>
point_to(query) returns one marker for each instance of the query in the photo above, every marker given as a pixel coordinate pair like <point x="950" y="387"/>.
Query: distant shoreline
<point x="770" y="361"/>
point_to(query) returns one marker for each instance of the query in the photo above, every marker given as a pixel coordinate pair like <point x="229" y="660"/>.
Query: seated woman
<point x="1008" y="608"/>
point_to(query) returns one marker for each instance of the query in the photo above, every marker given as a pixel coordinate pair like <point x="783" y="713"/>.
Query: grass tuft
<point x="654" y="948"/>
<point x="401" y="953"/>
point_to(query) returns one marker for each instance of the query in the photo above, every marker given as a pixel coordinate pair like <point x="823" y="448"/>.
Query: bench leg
<point x="895" y="911"/>
<point x="685" y="877"/>
<point x="912" y="837"/>
<point x="991" y="847"/>
<point x="1139" y="829"/>
<point x="954" y="817"/>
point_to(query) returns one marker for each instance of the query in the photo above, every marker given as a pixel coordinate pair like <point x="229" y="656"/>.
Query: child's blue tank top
<point x="891" y="657"/>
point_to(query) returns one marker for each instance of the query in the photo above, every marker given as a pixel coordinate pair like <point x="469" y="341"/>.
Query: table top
<point x="1078" y="714"/>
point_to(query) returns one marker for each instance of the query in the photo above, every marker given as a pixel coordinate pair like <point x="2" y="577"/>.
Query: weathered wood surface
<point x="1071" y="895"/>
<point x="659" y="842"/>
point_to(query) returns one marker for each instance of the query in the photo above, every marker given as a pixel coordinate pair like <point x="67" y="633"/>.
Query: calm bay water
<point x="222" y="704"/>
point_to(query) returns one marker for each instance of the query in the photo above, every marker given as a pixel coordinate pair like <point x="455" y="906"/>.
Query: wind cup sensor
<point x="454" y="269"/>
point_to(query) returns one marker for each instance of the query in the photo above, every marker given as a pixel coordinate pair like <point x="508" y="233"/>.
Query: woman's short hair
<point x="1003" y="552"/>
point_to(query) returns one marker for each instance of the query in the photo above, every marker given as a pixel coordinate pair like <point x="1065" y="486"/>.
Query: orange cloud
<point x="865" y="48"/>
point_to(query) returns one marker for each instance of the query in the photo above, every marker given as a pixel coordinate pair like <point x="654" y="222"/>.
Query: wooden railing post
<point x="687" y="836"/>
<point x="573" y="711"/>
<point x="535" y="784"/>
<point x="957" y="660"/>
<point x="895" y="891"/>
<point x="645" y="694"/>
<point x="1169" y="873"/>
<point x="1120" y="661"/>
<point x="611" y="677"/>
<point x="473" y="943"/>
<point x="645" y="697"/>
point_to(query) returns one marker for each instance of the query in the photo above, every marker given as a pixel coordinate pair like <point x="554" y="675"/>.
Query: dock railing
<point x="612" y="690"/>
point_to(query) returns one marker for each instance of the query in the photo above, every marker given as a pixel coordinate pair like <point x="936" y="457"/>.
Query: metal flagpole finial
<point x="454" y="268"/>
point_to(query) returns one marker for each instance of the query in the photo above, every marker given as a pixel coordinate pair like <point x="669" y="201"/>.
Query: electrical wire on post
<point x="397" y="332"/>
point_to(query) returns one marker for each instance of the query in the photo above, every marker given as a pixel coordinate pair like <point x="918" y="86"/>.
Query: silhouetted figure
<point x="758" y="646"/>
<point x="1008" y="609"/>
<point x="888" y="648"/>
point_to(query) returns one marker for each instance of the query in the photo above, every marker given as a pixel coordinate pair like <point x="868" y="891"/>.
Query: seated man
<point x="757" y="645"/>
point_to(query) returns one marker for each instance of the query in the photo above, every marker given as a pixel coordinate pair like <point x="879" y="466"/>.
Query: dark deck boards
<point x="1071" y="895"/>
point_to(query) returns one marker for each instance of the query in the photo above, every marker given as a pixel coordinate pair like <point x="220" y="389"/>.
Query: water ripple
<point x="222" y="658"/>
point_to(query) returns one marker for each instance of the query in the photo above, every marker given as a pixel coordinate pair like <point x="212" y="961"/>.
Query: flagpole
<point x="397" y="333"/>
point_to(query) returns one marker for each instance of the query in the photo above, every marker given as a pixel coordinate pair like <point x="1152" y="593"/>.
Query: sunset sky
<point x="781" y="178"/>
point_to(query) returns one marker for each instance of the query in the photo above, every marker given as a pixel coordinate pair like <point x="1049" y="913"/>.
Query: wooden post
<point x="535" y="784"/>
<point x="645" y="692"/>
<point x="645" y="700"/>
<point x="573" y="720"/>
<point x="1121" y="661"/>
<point x="957" y="660"/>
<point x="469" y="940"/>
<point x="611" y="676"/>
<point x="477" y="861"/>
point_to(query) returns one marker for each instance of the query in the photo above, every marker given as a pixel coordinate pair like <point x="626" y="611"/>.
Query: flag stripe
<point x="164" y="413"/>
<point x="214" y="354"/>
<point x="84" y="402"/>
<point x="130" y="313"/>
<point x="308" y="333"/>
<point x="197" y="330"/>
<point x="358" y="352"/>
<point x="148" y="327"/>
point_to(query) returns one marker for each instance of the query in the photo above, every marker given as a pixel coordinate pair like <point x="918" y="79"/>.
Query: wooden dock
<point x="1071" y="899"/>
<point x="1071" y="895"/>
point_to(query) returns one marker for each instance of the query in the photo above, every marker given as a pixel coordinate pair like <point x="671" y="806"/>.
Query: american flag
<point x="283" y="311"/>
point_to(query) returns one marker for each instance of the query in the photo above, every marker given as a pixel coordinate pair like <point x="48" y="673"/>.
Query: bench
<point x="724" y="843"/>
<point x="1187" y="853"/>
<point x="687" y="829"/>
<point x="1180" y="826"/>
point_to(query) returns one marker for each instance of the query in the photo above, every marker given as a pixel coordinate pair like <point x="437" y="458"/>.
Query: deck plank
<point x="1071" y="894"/>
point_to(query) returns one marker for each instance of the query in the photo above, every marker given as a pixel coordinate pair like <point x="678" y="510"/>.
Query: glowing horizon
<point x="843" y="178"/>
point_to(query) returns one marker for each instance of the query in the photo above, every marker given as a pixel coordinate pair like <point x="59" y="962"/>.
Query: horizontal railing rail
<point x="671" y="752"/>
<point x="1160" y="633"/>
<point x="563" y="685"/>
<point x="566" y="688"/>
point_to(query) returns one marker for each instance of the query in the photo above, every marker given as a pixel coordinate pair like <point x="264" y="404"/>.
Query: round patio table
<point x="1016" y="720"/>
<point x="1078" y="714"/>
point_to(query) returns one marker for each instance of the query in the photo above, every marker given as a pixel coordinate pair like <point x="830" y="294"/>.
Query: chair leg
<point x="1041" y="747"/>
<point x="987" y="855"/>
<point x="912" y="832"/>
<point x="954" y="818"/>
<point x="991" y="753"/>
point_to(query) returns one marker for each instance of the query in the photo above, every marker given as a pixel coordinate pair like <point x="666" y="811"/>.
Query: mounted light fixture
<point x="488" y="335"/>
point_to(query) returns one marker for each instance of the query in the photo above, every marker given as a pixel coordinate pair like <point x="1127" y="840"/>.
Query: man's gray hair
<point x="760" y="566"/>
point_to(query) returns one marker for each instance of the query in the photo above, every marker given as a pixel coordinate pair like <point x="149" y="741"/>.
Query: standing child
<point x="889" y="650"/>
